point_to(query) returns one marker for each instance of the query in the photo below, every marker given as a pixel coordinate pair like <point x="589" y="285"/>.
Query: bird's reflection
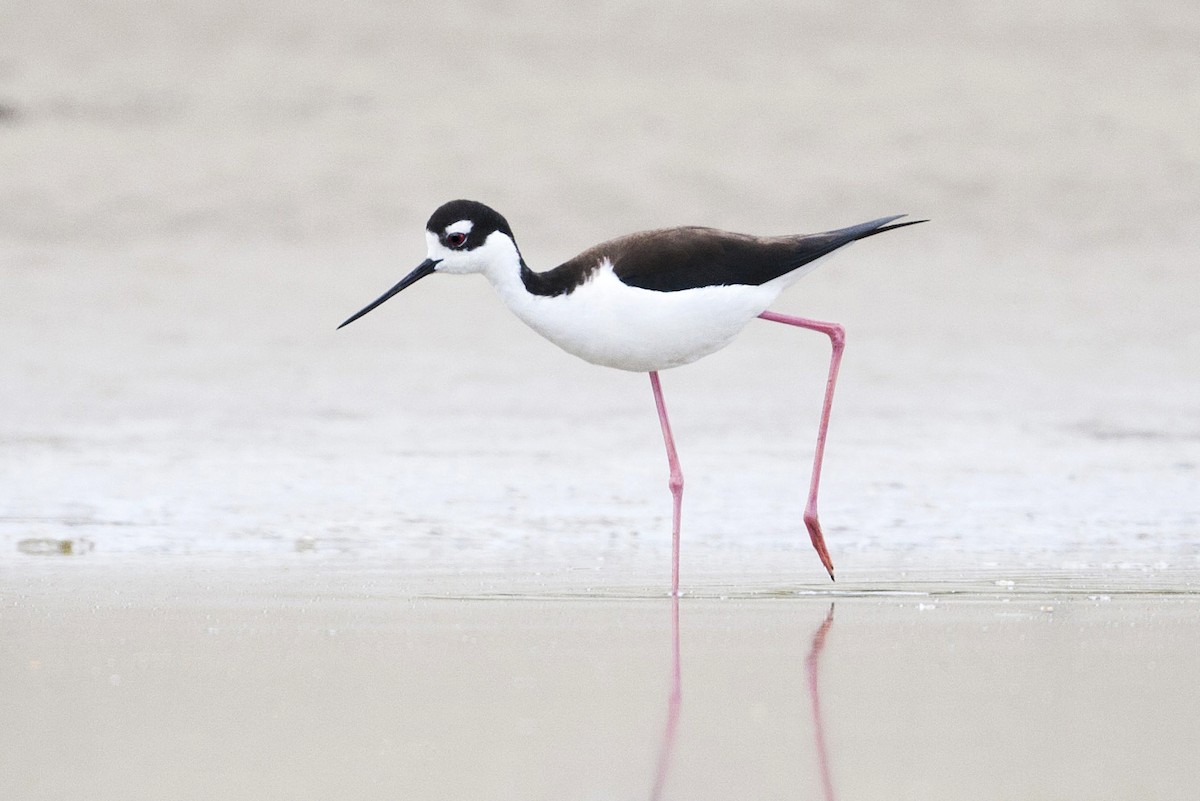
<point x="812" y="665"/>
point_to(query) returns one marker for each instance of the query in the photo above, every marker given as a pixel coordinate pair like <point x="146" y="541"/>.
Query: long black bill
<point x="416" y="275"/>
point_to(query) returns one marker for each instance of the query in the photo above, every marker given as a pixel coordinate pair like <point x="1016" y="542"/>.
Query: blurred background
<point x="192" y="196"/>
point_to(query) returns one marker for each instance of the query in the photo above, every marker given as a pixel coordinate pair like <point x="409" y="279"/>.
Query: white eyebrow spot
<point x="460" y="227"/>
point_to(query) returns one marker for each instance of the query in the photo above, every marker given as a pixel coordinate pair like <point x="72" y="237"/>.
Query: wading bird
<point x="646" y="302"/>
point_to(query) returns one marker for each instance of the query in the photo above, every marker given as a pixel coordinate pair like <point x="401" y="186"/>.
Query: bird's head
<point x="463" y="236"/>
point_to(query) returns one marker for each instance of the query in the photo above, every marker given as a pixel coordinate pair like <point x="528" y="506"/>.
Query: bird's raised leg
<point x="837" y="336"/>
<point x="676" y="482"/>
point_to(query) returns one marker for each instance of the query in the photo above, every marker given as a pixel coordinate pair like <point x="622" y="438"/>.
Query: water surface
<point x="295" y="684"/>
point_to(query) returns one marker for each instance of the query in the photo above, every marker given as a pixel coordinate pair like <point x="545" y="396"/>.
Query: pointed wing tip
<point x="890" y="224"/>
<point x="864" y="230"/>
<point x="894" y="217"/>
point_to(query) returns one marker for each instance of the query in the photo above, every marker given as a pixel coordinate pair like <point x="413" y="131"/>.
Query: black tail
<point x="814" y="246"/>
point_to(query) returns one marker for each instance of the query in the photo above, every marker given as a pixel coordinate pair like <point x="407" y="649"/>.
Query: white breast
<point x="612" y="324"/>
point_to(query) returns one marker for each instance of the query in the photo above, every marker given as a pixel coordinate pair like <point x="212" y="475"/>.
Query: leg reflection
<point x="675" y="700"/>
<point x="811" y="664"/>
<point x="673" y="704"/>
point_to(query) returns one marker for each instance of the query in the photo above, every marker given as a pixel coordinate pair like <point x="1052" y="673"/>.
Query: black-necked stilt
<point x="646" y="301"/>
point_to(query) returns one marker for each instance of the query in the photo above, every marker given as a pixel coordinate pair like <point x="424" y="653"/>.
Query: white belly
<point x="609" y="323"/>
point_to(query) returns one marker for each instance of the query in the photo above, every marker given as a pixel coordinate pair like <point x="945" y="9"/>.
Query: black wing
<point x="689" y="258"/>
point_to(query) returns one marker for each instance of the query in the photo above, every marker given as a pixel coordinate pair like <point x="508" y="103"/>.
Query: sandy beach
<point x="243" y="555"/>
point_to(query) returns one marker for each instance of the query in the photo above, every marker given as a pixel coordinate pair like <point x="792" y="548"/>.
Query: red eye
<point x="456" y="240"/>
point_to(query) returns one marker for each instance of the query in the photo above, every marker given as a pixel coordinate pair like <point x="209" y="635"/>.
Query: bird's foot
<point x="818" y="541"/>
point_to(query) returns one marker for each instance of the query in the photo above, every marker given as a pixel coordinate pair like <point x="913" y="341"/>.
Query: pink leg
<point x="837" y="336"/>
<point x="676" y="482"/>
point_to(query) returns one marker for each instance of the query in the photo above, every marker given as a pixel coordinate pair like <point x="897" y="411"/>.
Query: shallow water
<point x="300" y="684"/>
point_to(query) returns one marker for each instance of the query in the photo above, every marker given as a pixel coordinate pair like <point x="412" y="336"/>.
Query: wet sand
<point x="242" y="555"/>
